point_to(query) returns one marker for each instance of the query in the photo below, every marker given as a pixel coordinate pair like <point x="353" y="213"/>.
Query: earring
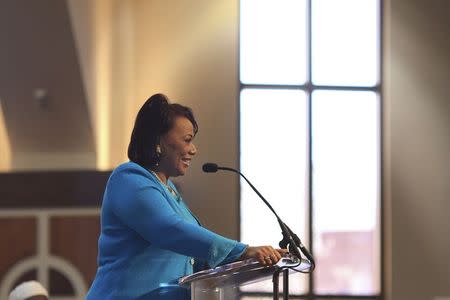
<point x="158" y="154"/>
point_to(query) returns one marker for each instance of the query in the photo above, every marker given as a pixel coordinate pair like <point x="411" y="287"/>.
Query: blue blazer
<point x="149" y="239"/>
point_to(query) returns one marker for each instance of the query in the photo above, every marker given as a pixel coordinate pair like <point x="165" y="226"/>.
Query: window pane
<point x="273" y="158"/>
<point x="345" y="42"/>
<point x="345" y="161"/>
<point x="273" y="41"/>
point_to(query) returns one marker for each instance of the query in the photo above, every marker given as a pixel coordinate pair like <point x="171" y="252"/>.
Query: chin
<point x="182" y="171"/>
<point x="179" y="172"/>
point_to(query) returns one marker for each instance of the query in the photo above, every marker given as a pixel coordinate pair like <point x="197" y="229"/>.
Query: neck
<point x="161" y="175"/>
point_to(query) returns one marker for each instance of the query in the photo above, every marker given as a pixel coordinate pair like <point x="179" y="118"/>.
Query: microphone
<point x="210" y="168"/>
<point x="289" y="237"/>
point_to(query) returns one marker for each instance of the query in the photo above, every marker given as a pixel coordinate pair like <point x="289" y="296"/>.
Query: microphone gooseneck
<point x="289" y="237"/>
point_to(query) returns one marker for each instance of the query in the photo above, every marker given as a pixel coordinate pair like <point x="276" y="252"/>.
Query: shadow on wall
<point x="45" y="117"/>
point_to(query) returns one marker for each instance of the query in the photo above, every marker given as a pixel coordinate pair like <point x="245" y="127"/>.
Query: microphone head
<point x="210" y="168"/>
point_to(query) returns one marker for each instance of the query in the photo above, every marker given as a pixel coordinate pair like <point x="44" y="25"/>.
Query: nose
<point x="193" y="150"/>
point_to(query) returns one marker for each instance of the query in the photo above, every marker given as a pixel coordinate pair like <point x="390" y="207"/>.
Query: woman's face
<point x="177" y="148"/>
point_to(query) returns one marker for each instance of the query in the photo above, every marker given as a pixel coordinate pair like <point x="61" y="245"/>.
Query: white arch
<point x="18" y="269"/>
<point x="54" y="262"/>
<point x="72" y="274"/>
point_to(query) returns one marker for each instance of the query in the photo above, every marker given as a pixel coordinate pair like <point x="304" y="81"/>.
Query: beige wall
<point x="417" y="138"/>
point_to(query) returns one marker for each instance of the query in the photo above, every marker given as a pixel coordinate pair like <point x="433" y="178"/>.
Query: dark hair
<point x="155" y="118"/>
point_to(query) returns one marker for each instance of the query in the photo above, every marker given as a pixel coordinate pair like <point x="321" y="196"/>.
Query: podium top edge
<point x="246" y="266"/>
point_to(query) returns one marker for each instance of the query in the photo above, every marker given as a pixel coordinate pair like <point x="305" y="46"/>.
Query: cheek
<point x="175" y="152"/>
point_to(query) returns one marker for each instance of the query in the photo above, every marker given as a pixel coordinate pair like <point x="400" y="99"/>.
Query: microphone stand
<point x="290" y="240"/>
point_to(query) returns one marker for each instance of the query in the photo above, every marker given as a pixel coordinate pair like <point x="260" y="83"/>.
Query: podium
<point x="223" y="282"/>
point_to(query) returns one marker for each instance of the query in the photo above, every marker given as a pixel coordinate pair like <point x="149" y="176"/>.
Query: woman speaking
<point x="149" y="238"/>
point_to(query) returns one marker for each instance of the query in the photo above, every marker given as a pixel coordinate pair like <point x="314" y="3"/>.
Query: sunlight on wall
<point x="5" y="148"/>
<point x="91" y="27"/>
<point x="103" y="79"/>
<point x="123" y="85"/>
<point x="104" y="34"/>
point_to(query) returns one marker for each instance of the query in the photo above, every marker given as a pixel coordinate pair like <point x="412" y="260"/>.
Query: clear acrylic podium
<point x="223" y="282"/>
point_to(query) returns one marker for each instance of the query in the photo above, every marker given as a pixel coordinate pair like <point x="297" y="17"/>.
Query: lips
<point x="186" y="161"/>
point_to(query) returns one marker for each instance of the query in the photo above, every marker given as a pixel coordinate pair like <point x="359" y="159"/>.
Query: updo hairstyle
<point x="155" y="118"/>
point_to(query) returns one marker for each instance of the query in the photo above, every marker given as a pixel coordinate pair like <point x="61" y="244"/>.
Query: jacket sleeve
<point x="235" y="254"/>
<point x="140" y="205"/>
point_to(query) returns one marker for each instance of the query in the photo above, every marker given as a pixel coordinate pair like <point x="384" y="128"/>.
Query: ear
<point x="162" y="143"/>
<point x="158" y="149"/>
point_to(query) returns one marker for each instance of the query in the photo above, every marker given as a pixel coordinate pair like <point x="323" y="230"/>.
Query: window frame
<point x="309" y="87"/>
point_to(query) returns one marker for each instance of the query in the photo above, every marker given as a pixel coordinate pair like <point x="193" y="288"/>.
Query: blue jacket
<point x="149" y="239"/>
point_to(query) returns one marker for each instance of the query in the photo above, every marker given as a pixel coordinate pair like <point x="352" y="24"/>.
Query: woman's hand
<point x="265" y="255"/>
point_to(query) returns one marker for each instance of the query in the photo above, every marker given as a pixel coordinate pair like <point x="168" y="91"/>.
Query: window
<point x="310" y="138"/>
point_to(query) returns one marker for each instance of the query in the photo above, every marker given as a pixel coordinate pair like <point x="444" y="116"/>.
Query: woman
<point x="149" y="238"/>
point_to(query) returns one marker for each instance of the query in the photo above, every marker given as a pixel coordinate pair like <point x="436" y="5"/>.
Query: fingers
<point x="265" y="255"/>
<point x="259" y="254"/>
<point x="282" y="251"/>
<point x="261" y="258"/>
<point x="270" y="255"/>
<point x="270" y="259"/>
<point x="276" y="255"/>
